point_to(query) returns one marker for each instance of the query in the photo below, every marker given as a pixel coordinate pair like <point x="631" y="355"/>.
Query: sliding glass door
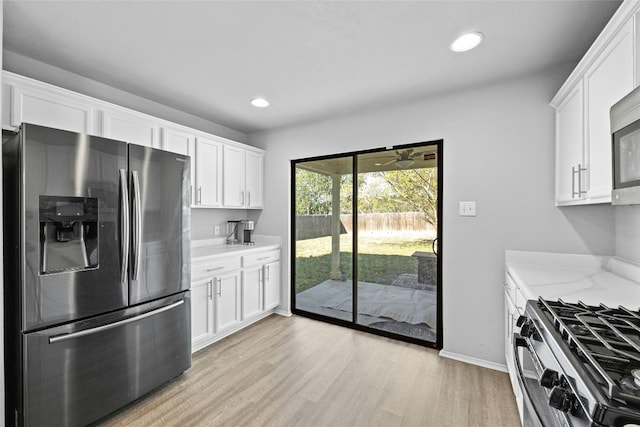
<point x="323" y="248"/>
<point x="365" y="247"/>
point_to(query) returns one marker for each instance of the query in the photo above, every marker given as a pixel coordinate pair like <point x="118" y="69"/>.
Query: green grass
<point x="381" y="258"/>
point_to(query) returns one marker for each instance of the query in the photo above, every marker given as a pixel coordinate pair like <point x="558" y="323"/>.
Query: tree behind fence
<point x="312" y="226"/>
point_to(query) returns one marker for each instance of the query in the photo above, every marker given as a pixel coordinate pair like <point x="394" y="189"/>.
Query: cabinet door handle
<point x="215" y="269"/>
<point x="260" y="276"/>
<point x="210" y="289"/>
<point x="248" y="198"/>
<point x="577" y="171"/>
<point x="580" y="170"/>
<point x="219" y="287"/>
<point x="242" y="198"/>
<point x="268" y="272"/>
<point x="199" y="198"/>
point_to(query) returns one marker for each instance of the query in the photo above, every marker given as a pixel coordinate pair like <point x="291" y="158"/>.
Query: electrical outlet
<point x="216" y="230"/>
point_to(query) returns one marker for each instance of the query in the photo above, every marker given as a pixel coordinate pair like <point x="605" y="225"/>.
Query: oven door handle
<point x="520" y="342"/>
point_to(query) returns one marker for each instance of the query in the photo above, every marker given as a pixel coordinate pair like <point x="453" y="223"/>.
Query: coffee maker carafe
<point x="248" y="226"/>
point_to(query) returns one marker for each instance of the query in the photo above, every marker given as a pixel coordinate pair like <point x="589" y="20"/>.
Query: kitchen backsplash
<point x="627" y="229"/>
<point x="203" y="221"/>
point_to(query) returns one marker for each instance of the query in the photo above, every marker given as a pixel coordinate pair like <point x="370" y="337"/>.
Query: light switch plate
<point x="467" y="208"/>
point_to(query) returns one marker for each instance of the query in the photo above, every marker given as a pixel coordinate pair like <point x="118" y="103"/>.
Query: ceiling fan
<point x="405" y="158"/>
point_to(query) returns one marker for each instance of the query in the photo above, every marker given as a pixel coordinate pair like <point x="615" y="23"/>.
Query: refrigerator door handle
<point x="124" y="220"/>
<point x="137" y="229"/>
<point x="90" y="331"/>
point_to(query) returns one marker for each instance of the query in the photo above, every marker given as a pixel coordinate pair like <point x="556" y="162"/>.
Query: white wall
<point x="499" y="151"/>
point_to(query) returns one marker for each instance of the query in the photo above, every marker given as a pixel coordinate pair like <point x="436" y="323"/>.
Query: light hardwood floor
<point x="301" y="372"/>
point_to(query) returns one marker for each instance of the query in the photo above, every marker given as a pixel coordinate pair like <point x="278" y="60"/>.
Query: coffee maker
<point x="248" y="227"/>
<point x="239" y="232"/>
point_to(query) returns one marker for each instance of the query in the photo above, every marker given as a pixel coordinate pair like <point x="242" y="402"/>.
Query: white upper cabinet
<point x="254" y="178"/>
<point x="224" y="173"/>
<point x="177" y="141"/>
<point x="233" y="177"/>
<point x="208" y="167"/>
<point x="51" y="107"/>
<point x="607" y="81"/>
<point x="242" y="178"/>
<point x="583" y="132"/>
<point x="132" y="128"/>
<point x="181" y="142"/>
<point x="569" y="146"/>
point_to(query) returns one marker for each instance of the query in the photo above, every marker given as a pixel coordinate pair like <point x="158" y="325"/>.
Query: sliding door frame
<point x="353" y="324"/>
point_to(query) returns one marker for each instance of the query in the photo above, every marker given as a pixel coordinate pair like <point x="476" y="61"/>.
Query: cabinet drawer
<point x="514" y="294"/>
<point x="260" y="258"/>
<point x="214" y="268"/>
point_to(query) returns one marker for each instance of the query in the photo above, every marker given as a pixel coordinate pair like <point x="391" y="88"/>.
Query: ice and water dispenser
<point x="68" y="234"/>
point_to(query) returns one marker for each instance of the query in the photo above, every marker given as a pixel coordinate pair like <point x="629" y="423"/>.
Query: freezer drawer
<point x="78" y="373"/>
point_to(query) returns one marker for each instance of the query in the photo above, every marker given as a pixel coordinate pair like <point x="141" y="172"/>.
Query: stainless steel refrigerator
<point x="97" y="274"/>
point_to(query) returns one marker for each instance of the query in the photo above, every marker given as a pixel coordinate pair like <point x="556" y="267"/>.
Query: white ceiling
<point x="311" y="59"/>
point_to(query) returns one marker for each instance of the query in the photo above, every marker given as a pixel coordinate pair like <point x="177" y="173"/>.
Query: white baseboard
<point x="199" y="345"/>
<point x="472" y="360"/>
<point x="285" y="313"/>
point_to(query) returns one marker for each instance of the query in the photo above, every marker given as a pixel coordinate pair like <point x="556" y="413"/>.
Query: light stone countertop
<point x="587" y="278"/>
<point x="205" y="250"/>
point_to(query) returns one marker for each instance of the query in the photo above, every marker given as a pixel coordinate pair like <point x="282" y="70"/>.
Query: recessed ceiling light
<point x="466" y="42"/>
<point x="259" y="102"/>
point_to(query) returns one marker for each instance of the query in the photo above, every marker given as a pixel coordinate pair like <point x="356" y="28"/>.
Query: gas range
<point x="579" y="365"/>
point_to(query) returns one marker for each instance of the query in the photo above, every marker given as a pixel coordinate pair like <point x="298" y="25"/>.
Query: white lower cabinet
<point x="272" y="285"/>
<point x="252" y="279"/>
<point x="202" y="329"/>
<point x="513" y="308"/>
<point x="228" y="294"/>
<point x="227" y="300"/>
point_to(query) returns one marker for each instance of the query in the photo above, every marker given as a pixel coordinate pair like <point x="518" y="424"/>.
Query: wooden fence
<point x="312" y="226"/>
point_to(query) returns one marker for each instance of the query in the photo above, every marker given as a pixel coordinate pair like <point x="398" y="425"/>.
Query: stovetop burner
<point x="606" y="340"/>
<point x="631" y="383"/>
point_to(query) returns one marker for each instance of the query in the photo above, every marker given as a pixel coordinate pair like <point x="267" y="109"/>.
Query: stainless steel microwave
<point x="625" y="129"/>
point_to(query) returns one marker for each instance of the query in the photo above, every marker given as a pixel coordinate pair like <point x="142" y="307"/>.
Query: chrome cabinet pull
<point x="219" y="287"/>
<point x="248" y="198"/>
<point x="199" y="198"/>
<point x="242" y="198"/>
<point x="268" y="272"/>
<point x="215" y="269"/>
<point x="577" y="171"/>
<point x="580" y="170"/>
<point x="210" y="289"/>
